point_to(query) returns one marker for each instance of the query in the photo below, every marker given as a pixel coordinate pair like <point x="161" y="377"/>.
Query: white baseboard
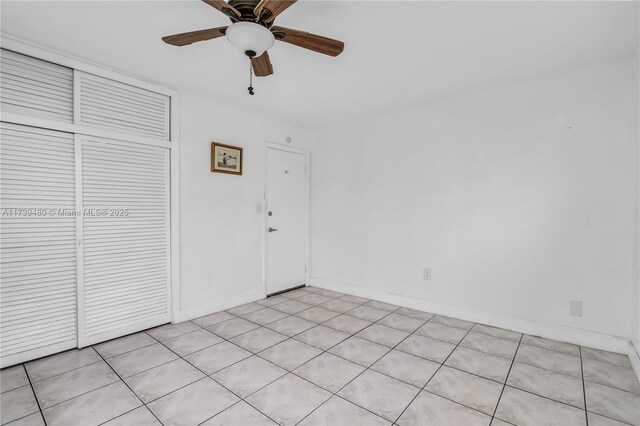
<point x="549" y="331"/>
<point x="187" y="314"/>
<point x="634" y="357"/>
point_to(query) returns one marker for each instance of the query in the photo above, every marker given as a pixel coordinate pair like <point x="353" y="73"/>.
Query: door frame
<point x="307" y="155"/>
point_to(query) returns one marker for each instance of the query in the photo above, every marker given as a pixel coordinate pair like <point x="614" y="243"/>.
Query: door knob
<point x="271" y="229"/>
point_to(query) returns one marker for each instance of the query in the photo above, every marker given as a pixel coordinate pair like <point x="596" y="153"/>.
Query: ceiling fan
<point x="252" y="31"/>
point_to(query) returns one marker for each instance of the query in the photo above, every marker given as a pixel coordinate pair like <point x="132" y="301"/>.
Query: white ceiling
<point x="397" y="54"/>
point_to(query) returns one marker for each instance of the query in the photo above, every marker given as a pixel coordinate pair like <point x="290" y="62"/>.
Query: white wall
<point x="221" y="227"/>
<point x="519" y="198"/>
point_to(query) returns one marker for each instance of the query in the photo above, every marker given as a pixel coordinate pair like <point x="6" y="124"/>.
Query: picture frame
<point x="226" y="159"/>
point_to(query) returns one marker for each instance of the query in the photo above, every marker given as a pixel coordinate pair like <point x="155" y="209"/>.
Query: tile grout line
<point x="545" y="397"/>
<point x="315" y="325"/>
<point x="129" y="387"/>
<point x="182" y="358"/>
<point x="321" y="349"/>
<point x="64" y="372"/>
<point x="156" y="341"/>
<point x="123" y="353"/>
<point x="433" y="375"/>
<point x="584" y="390"/>
<point x="321" y="323"/>
<point x="291" y="372"/>
<point x="566" y="375"/>
<point x="205" y="376"/>
<point x="35" y="396"/>
<point x="385" y="354"/>
<point x="376" y="322"/>
<point x="257" y="355"/>
<point x="569" y="375"/>
<point x="240" y="398"/>
<point x="546" y="369"/>
<point x="229" y="340"/>
<point x="141" y="371"/>
<point x="358" y="375"/>
<point x="321" y="353"/>
<point x="504" y="386"/>
<point x="226" y="409"/>
<point x="609" y="387"/>
<point x="562" y="403"/>
<point x="241" y="316"/>
<point x="550" y="371"/>
<point x="606" y="417"/>
<point x="127" y="412"/>
<point x="292" y="337"/>
<point x="366" y="368"/>
<point x="80" y="394"/>
<point x="482" y="377"/>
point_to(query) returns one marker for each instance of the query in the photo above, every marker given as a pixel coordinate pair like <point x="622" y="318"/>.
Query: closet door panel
<point x="35" y="88"/>
<point x="109" y="104"/>
<point x="125" y="197"/>
<point x="37" y="243"/>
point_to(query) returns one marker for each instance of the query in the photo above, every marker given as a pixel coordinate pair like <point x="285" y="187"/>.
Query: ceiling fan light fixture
<point x="251" y="39"/>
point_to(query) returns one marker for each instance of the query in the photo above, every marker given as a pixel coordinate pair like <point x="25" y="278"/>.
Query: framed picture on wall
<point x="226" y="159"/>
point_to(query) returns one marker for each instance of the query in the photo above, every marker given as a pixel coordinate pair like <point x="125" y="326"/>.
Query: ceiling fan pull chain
<point x="250" y="88"/>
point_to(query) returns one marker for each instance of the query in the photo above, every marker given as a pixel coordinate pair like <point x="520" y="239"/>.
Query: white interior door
<point x="286" y="192"/>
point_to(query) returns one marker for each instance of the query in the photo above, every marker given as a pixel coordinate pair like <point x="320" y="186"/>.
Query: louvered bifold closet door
<point x="37" y="243"/>
<point x="35" y="88"/>
<point x="125" y="195"/>
<point x="112" y="105"/>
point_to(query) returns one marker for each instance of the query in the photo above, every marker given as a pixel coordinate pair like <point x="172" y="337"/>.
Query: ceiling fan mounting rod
<point x="250" y="88"/>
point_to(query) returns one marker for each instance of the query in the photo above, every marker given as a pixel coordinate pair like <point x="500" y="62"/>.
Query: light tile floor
<point x="318" y="357"/>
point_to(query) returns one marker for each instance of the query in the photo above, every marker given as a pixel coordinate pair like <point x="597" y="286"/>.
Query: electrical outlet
<point x="426" y="274"/>
<point x="575" y="308"/>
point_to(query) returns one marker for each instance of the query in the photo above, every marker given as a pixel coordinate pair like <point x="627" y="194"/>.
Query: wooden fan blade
<point x="274" y="8"/>
<point x="194" y="36"/>
<point x="262" y="65"/>
<point x="325" y="45"/>
<point x="223" y="7"/>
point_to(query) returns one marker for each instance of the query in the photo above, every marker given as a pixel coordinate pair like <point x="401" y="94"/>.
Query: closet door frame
<point x="26" y="48"/>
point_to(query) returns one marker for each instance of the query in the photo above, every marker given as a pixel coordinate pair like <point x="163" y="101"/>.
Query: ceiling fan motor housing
<point x="246" y="9"/>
